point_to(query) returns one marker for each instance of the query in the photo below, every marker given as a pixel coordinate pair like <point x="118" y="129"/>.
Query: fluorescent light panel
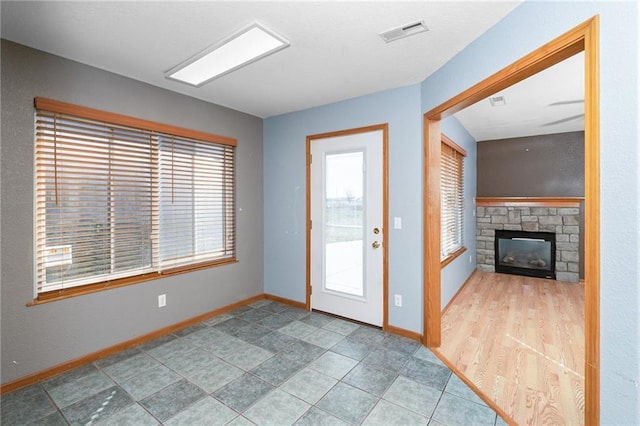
<point x="244" y="47"/>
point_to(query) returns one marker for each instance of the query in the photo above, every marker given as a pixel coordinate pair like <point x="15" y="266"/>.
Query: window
<point x="451" y="198"/>
<point x="120" y="200"/>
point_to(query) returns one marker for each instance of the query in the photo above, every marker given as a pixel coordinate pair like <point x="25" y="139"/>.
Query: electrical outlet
<point x="470" y="259"/>
<point x="398" y="300"/>
<point x="162" y="300"/>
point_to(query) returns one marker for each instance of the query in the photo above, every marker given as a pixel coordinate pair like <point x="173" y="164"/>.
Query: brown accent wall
<point x="534" y="166"/>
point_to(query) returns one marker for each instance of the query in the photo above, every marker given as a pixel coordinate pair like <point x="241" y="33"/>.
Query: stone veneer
<point x="563" y="221"/>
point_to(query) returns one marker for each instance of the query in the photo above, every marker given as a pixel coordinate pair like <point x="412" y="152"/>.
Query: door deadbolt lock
<point x="376" y="231"/>
<point x="375" y="245"/>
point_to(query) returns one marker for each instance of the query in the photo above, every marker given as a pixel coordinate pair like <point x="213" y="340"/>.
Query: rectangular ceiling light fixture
<point x="242" y="48"/>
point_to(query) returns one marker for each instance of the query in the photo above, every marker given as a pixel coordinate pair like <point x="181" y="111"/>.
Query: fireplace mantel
<point x="529" y="201"/>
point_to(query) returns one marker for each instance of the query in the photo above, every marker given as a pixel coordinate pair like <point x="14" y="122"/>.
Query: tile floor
<point x="264" y="364"/>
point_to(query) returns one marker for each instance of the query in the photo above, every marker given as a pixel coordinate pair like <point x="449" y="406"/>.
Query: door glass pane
<point x="343" y="223"/>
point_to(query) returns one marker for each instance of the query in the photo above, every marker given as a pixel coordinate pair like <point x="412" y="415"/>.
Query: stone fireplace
<point x="560" y="217"/>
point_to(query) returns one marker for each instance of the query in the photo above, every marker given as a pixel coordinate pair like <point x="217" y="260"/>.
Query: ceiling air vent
<point x="497" y="101"/>
<point x="404" y="31"/>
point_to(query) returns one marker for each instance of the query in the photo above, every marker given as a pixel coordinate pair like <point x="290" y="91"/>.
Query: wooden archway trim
<point x="584" y="37"/>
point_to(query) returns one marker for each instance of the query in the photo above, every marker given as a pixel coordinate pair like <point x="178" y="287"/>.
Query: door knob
<point x="375" y="245"/>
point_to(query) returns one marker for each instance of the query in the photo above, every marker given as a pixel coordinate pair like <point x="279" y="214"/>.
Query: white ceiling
<point x="551" y="101"/>
<point x="335" y="53"/>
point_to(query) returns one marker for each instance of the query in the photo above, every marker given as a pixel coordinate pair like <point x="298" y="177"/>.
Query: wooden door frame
<point x="385" y="210"/>
<point x="584" y="37"/>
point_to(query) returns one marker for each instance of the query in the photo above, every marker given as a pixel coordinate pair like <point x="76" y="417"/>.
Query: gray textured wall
<point x="535" y="166"/>
<point x="38" y="337"/>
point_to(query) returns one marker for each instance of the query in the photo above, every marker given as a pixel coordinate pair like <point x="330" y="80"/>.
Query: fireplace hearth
<point x="525" y="253"/>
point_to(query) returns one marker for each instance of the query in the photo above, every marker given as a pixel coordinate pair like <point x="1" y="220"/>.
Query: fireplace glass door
<point x="525" y="253"/>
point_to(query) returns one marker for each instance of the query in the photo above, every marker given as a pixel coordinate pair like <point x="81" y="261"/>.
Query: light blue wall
<point x="528" y="27"/>
<point x="284" y="193"/>
<point x="454" y="275"/>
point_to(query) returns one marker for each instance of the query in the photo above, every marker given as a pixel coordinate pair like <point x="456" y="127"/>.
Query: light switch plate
<point x="397" y="223"/>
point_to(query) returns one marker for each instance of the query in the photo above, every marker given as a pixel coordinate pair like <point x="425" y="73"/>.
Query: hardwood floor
<point x="520" y="340"/>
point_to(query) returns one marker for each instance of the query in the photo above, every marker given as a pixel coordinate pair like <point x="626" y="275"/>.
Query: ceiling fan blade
<point x="564" y="120"/>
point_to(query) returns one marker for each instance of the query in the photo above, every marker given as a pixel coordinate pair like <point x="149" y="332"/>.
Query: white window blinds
<point x="196" y="202"/>
<point x="115" y="201"/>
<point x="451" y="198"/>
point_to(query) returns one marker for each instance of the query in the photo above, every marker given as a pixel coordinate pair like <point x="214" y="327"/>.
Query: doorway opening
<point x="583" y="38"/>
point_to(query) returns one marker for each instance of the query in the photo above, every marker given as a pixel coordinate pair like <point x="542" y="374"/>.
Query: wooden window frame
<point x="108" y="118"/>
<point x="450" y="257"/>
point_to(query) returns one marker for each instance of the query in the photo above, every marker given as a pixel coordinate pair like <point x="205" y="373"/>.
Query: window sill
<point x="453" y="256"/>
<point x="55" y="295"/>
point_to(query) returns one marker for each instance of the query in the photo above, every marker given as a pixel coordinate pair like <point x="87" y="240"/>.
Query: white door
<point x="346" y="231"/>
